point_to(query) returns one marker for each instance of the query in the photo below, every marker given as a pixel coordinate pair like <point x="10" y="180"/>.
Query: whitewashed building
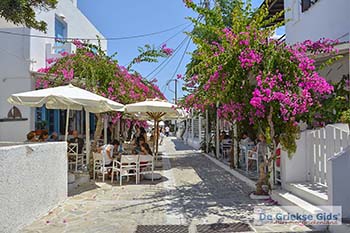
<point x="21" y="55"/>
<point x="315" y="19"/>
<point x="315" y="175"/>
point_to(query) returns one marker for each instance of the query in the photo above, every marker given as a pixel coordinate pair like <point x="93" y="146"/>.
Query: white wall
<point x="326" y="18"/>
<point x="78" y="26"/>
<point x="20" y="54"/>
<point x="14" y="77"/>
<point x="339" y="188"/>
<point x="33" y="180"/>
<point x="336" y="70"/>
<point x="295" y="169"/>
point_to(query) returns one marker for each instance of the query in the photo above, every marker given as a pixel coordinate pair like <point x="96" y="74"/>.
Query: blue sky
<point x="134" y="17"/>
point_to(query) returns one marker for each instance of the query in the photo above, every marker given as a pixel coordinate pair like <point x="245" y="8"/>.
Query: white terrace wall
<point x="338" y="181"/>
<point x="314" y="148"/>
<point x="33" y="180"/>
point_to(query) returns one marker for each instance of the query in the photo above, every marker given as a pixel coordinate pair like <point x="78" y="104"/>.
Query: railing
<point x="53" y="51"/>
<point x="323" y="144"/>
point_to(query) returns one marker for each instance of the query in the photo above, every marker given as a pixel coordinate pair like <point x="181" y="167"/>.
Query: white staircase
<point x="320" y="167"/>
<point x="310" y="192"/>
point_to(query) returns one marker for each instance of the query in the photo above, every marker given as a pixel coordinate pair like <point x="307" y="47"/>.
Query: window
<point x="306" y="4"/>
<point x="60" y="33"/>
<point x="14" y="113"/>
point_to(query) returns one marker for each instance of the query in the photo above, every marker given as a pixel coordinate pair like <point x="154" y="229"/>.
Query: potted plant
<point x="40" y="127"/>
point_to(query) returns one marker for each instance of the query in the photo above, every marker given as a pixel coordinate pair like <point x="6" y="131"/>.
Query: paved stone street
<point x="193" y="191"/>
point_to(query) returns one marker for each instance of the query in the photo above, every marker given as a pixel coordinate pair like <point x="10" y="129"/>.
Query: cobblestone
<point x="192" y="191"/>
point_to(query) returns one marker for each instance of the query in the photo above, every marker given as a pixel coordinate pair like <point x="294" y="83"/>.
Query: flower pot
<point x="265" y="188"/>
<point x="38" y="131"/>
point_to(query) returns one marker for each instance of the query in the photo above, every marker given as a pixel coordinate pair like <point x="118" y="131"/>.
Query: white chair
<point x="146" y="165"/>
<point x="128" y="166"/>
<point x="99" y="165"/>
<point x="226" y="147"/>
<point x="254" y="157"/>
<point x="72" y="156"/>
<point x="244" y="148"/>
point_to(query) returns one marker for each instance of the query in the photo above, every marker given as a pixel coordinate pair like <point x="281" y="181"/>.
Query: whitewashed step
<point x="285" y="198"/>
<point x="344" y="228"/>
<point x="315" y="194"/>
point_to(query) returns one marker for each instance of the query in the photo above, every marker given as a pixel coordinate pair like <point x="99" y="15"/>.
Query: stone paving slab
<point x="193" y="191"/>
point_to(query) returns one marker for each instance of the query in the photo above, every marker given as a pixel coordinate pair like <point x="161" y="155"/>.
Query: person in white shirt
<point x="167" y="130"/>
<point x="107" y="152"/>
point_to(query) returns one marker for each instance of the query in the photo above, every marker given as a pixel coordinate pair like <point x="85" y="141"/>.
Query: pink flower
<point x="90" y="54"/>
<point x="167" y="51"/>
<point x="249" y="58"/>
<point x="78" y="43"/>
<point x="51" y="60"/>
<point x="68" y="75"/>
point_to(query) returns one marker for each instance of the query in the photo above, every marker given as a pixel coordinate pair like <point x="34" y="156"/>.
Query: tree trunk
<point x="97" y="136"/>
<point x="266" y="164"/>
<point x="98" y="131"/>
<point x="232" y="151"/>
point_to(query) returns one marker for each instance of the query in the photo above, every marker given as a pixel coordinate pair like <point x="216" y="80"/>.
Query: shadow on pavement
<point x="179" y="145"/>
<point x="83" y="188"/>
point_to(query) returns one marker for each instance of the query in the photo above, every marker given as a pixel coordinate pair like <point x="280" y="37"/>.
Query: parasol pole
<point x="87" y="135"/>
<point x="67" y="123"/>
<point x="155" y="135"/>
<point x="157" y="125"/>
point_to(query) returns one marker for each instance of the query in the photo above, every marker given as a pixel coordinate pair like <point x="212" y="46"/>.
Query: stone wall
<point x="33" y="180"/>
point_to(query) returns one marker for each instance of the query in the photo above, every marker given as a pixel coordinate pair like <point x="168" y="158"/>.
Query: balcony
<point x="55" y="51"/>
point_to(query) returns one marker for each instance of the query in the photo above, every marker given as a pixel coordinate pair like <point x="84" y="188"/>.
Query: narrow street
<point x="193" y="194"/>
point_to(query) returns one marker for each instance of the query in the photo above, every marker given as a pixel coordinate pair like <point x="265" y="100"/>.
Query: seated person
<point x="143" y="134"/>
<point x="107" y="152"/>
<point x="118" y="148"/>
<point x="260" y="149"/>
<point x="245" y="140"/>
<point x="43" y="136"/>
<point x="135" y="134"/>
<point x="145" y="149"/>
<point x="222" y="136"/>
<point x="137" y="148"/>
<point x="31" y="137"/>
<point x="53" y="137"/>
<point x="77" y="139"/>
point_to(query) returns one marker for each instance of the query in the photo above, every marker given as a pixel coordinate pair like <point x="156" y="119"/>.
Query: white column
<point x="105" y="126"/>
<point x="87" y="135"/>
<point x="217" y="131"/>
<point x="192" y="125"/>
<point x="235" y="143"/>
<point x="200" y="128"/>
<point x="67" y="125"/>
<point x="207" y="130"/>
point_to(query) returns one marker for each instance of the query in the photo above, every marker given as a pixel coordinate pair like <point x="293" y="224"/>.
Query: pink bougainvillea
<point x="167" y="51"/>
